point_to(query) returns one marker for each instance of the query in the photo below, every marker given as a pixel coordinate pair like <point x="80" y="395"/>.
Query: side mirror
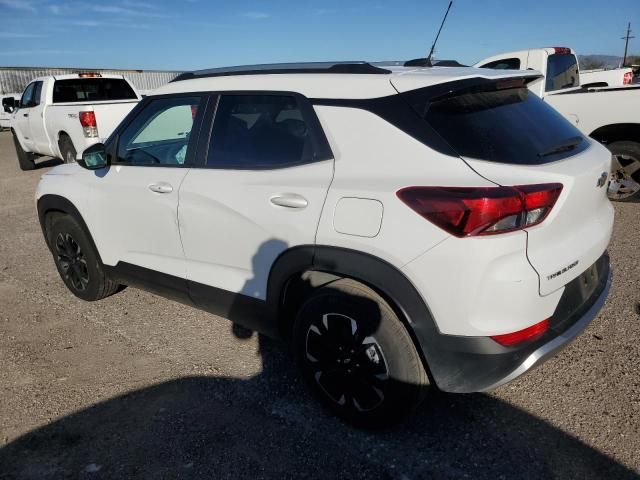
<point x="94" y="157"/>
<point x="8" y="108"/>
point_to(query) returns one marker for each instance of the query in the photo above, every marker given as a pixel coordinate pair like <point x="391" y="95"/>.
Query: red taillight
<point x="87" y="119"/>
<point x="562" y="50"/>
<point x="471" y="211"/>
<point x="628" y="78"/>
<point x="528" y="334"/>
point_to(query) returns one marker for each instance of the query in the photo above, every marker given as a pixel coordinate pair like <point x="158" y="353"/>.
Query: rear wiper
<point x="565" y="146"/>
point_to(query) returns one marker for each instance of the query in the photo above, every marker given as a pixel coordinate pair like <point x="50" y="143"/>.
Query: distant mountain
<point x="600" y="61"/>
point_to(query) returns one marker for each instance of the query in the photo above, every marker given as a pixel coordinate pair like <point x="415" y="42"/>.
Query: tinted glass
<point x="562" y="72"/>
<point x="27" y="95"/>
<point x="258" y="131"/>
<point x="37" y="92"/>
<point x="506" y="64"/>
<point x="509" y="125"/>
<point x="159" y="135"/>
<point x="92" y="90"/>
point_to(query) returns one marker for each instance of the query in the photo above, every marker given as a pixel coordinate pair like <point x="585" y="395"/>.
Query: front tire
<point x="356" y="355"/>
<point x="625" y="171"/>
<point x="67" y="150"/>
<point x="26" y="160"/>
<point x="77" y="261"/>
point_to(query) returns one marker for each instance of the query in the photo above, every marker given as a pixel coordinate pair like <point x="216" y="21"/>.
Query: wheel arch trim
<point x="374" y="272"/>
<point x="617" y="132"/>
<point x="55" y="203"/>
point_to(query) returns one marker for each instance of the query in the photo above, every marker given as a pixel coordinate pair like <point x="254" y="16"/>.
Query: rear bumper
<point x="472" y="364"/>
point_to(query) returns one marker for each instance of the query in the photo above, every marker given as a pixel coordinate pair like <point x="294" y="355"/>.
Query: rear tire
<point x="625" y="171"/>
<point x="356" y="355"/>
<point x="25" y="159"/>
<point x="77" y="261"/>
<point x="67" y="150"/>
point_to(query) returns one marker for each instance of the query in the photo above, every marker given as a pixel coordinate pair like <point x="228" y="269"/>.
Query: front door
<point x="21" y="117"/>
<point x="135" y="200"/>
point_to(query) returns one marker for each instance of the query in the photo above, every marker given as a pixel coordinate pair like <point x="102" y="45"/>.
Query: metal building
<point x="15" y="79"/>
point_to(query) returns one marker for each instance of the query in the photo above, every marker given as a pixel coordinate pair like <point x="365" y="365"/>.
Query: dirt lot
<point x="138" y="386"/>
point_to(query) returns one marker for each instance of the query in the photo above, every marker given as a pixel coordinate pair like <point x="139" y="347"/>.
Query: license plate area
<point x="580" y="294"/>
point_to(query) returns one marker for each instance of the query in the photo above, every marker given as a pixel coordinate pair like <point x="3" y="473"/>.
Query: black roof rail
<point x="280" y="68"/>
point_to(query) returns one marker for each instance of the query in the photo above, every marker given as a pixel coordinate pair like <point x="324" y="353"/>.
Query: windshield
<point x="510" y="125"/>
<point x="562" y="72"/>
<point x="92" y="90"/>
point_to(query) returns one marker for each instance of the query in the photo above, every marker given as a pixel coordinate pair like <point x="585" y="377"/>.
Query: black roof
<point x="280" y="68"/>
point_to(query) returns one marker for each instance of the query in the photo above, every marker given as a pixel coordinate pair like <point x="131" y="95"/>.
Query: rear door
<point x="511" y="137"/>
<point x="266" y="168"/>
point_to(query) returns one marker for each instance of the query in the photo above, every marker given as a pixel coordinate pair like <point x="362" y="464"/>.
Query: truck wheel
<point x="67" y="150"/>
<point x="77" y="262"/>
<point x="25" y="159"/>
<point x="356" y="355"/>
<point x="625" y="171"/>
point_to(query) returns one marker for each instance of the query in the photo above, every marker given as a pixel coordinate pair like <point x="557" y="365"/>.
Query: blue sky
<point x="191" y="34"/>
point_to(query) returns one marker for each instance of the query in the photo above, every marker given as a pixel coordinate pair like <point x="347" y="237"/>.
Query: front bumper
<point x="473" y="364"/>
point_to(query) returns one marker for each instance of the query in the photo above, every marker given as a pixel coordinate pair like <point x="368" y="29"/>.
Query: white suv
<point x="400" y="226"/>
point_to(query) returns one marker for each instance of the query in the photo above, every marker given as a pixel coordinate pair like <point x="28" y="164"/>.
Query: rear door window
<point x="504" y="64"/>
<point x="562" y="72"/>
<point x="92" y="90"/>
<point x="505" y="125"/>
<point x="258" y="132"/>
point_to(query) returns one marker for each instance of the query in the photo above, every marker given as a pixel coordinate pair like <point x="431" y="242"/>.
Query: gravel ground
<point x="139" y="386"/>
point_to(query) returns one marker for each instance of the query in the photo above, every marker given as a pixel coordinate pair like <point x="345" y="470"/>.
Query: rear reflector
<point x="88" y="122"/>
<point x="473" y="211"/>
<point x="528" y="334"/>
<point x="628" y="78"/>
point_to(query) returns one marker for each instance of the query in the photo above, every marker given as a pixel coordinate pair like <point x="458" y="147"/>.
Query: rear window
<point x="562" y="72"/>
<point x="504" y="64"/>
<point x="92" y="90"/>
<point x="510" y="125"/>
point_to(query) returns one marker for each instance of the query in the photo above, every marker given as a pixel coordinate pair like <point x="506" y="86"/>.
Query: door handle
<point x="289" y="200"/>
<point x="161" y="187"/>
<point x="25" y="114"/>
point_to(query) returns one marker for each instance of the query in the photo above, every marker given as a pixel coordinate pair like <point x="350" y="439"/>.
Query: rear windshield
<point x="510" y="125"/>
<point x="92" y="90"/>
<point x="562" y="72"/>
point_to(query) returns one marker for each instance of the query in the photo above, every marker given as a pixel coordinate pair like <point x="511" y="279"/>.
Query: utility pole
<point x="626" y="39"/>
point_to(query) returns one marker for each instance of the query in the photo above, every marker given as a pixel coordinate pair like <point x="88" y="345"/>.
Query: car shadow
<point x="268" y="427"/>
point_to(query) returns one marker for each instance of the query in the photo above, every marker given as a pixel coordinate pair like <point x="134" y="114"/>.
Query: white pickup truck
<point x="615" y="77"/>
<point x="610" y="115"/>
<point x="62" y="115"/>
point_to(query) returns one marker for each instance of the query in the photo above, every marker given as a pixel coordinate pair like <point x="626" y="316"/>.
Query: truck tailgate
<point x="109" y="115"/>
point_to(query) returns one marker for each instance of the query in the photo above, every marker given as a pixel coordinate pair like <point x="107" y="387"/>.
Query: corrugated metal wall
<point x="14" y="79"/>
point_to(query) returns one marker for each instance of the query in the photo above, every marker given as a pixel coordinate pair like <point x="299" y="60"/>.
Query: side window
<point x="159" y="135"/>
<point x="37" y="92"/>
<point x="505" y="64"/>
<point x="25" y="101"/>
<point x="259" y="131"/>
